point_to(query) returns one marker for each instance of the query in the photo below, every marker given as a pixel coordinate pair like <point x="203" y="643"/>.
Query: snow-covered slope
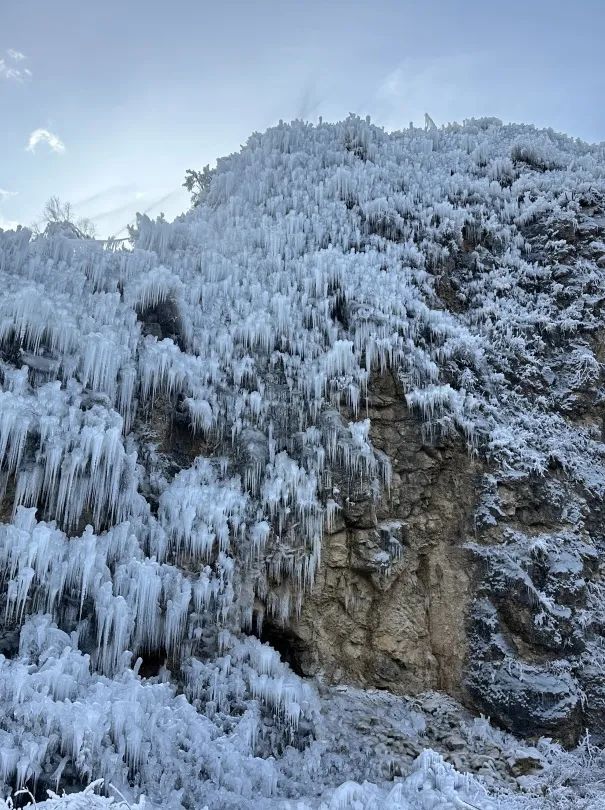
<point x="169" y="428"/>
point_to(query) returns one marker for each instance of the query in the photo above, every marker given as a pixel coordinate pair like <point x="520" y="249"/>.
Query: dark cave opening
<point x="152" y="662"/>
<point x="163" y="321"/>
<point x="9" y="642"/>
<point x="290" y="647"/>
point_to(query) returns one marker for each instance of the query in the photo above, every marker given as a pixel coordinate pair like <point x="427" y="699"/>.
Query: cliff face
<point x="476" y="574"/>
<point x="351" y="405"/>
<point x="461" y="580"/>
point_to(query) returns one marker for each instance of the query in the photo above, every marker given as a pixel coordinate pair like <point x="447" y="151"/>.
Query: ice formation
<point x="256" y="321"/>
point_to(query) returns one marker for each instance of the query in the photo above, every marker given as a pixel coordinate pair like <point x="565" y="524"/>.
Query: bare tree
<point x="61" y="214"/>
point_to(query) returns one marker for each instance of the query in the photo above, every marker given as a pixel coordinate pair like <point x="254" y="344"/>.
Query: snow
<point x="311" y="264"/>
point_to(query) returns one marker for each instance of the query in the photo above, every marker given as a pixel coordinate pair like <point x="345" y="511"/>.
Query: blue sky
<point x="115" y="100"/>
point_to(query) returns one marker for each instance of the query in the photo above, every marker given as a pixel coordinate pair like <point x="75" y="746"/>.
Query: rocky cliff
<point x="342" y="423"/>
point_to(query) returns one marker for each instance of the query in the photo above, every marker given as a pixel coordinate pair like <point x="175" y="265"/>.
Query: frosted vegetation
<point x="315" y="258"/>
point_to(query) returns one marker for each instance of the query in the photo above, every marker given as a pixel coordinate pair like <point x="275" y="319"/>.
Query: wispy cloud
<point x="309" y="101"/>
<point x="44" y="136"/>
<point x="4" y="194"/>
<point x="110" y="191"/>
<point x="133" y="204"/>
<point x="123" y="208"/>
<point x="162" y="199"/>
<point x="11" y="66"/>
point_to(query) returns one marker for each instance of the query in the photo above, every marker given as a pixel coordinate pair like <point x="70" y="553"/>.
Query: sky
<point x="106" y="104"/>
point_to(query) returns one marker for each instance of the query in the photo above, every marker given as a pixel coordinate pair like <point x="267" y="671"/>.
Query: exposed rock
<point x="390" y="602"/>
<point x="530" y="700"/>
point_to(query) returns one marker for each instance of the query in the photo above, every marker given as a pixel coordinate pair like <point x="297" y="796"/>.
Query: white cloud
<point x="4" y="194"/>
<point x="8" y="224"/>
<point x="7" y="72"/>
<point x="44" y="136"/>
<point x="10" y="66"/>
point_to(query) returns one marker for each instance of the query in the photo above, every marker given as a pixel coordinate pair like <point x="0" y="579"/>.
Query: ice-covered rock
<point x="191" y="436"/>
